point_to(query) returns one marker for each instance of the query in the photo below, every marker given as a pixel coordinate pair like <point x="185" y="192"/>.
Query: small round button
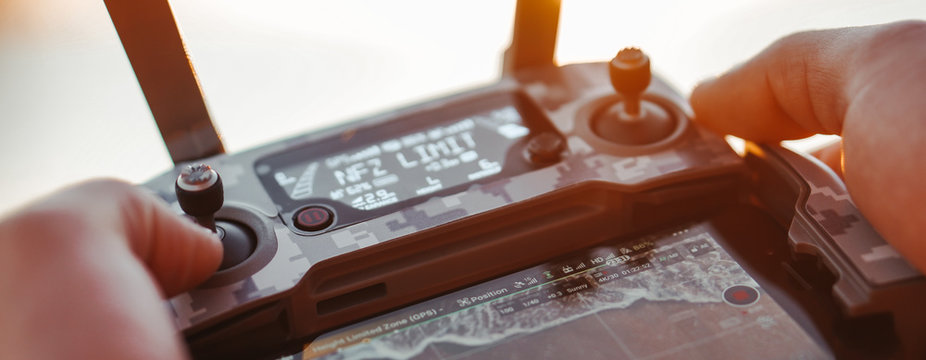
<point x="740" y="295"/>
<point x="545" y="148"/>
<point x="313" y="218"/>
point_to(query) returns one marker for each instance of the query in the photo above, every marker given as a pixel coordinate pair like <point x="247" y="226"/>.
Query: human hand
<point x="83" y="274"/>
<point x="866" y="84"/>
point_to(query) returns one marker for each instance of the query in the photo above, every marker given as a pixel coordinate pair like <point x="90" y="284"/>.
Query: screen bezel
<point x="515" y="160"/>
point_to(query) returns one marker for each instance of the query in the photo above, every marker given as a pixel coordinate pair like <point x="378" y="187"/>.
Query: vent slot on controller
<point x="352" y="298"/>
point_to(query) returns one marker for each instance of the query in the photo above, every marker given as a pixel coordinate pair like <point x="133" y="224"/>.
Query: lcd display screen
<point x="375" y="167"/>
<point x="412" y="164"/>
<point x="673" y="295"/>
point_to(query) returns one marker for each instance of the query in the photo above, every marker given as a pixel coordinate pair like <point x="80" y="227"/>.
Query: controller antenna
<point x="200" y="194"/>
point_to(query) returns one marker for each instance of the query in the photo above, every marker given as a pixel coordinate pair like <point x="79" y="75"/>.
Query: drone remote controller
<point x="329" y="228"/>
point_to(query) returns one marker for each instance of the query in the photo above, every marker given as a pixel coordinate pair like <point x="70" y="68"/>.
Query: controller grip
<point x="812" y="202"/>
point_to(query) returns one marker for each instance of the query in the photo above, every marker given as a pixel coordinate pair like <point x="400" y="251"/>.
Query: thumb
<point x="179" y="253"/>
<point x="82" y="269"/>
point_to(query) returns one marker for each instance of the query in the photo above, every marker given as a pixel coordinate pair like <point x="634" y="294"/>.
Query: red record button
<point x="313" y="218"/>
<point x="740" y="295"/>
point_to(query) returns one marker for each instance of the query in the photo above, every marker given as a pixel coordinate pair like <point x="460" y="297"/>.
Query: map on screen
<point x="672" y="295"/>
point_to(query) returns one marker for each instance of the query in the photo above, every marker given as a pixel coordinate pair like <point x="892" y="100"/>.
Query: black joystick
<point x="200" y="194"/>
<point x="630" y="76"/>
<point x="632" y="120"/>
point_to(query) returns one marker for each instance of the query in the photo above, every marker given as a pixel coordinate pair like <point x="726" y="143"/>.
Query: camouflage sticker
<point x="696" y="154"/>
<point x="578" y="146"/>
<point x="354" y="238"/>
<point x="521" y="188"/>
<point x="204" y="303"/>
<point x="182" y="307"/>
<point x="246" y="292"/>
<point x="452" y="201"/>
<point x="632" y="169"/>
<point x="231" y="175"/>
<point x="420" y="220"/>
<point x="880" y="253"/>
<point x="855" y="237"/>
<point x="497" y="189"/>
<point x="706" y="146"/>
<point x="292" y="259"/>
<point x="830" y="206"/>
<point x="834" y="223"/>
<point x="287" y="266"/>
<point x="569" y="171"/>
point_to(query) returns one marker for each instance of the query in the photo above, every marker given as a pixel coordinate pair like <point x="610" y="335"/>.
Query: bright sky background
<point x="70" y="108"/>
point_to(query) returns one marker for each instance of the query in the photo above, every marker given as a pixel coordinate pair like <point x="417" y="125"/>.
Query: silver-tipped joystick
<point x="200" y="194"/>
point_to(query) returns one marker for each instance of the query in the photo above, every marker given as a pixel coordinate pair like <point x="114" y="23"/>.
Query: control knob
<point x="200" y="193"/>
<point x="632" y="120"/>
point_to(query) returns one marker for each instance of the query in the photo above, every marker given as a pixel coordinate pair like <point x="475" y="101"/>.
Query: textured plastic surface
<point x="559" y="93"/>
<point x="571" y="190"/>
<point x="597" y="190"/>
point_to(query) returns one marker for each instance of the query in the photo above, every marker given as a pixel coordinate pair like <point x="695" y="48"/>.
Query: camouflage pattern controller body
<point x="298" y="284"/>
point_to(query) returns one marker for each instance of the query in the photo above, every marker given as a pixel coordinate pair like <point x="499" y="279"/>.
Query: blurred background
<point x="70" y="108"/>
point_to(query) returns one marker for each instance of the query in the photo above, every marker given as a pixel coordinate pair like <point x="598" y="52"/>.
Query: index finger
<point x="793" y="89"/>
<point x="865" y="84"/>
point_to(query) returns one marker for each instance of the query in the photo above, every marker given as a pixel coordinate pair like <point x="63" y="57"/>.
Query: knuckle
<point x="896" y="37"/>
<point x="49" y="223"/>
<point x="123" y="202"/>
<point x="800" y="43"/>
<point x="120" y="192"/>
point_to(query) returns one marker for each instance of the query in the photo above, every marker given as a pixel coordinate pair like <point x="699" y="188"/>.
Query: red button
<point x="740" y="295"/>
<point x="313" y="218"/>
